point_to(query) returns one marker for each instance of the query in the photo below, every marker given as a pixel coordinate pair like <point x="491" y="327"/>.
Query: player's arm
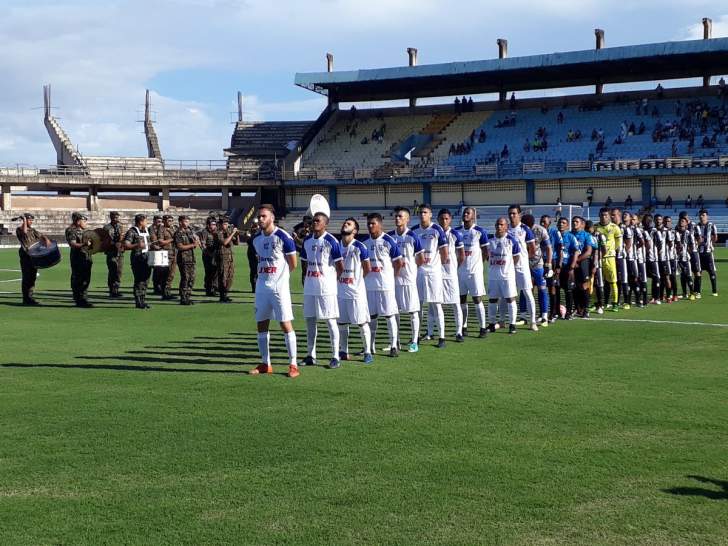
<point x="292" y="261"/>
<point x="714" y="234"/>
<point x="585" y="253"/>
<point x="366" y="267"/>
<point x="397" y="263"/>
<point x="444" y="255"/>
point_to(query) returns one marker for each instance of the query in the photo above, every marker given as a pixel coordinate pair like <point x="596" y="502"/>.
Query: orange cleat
<point x="261" y="368"/>
<point x="293" y="371"/>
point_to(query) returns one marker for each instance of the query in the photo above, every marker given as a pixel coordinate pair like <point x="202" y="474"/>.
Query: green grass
<point x="122" y="426"/>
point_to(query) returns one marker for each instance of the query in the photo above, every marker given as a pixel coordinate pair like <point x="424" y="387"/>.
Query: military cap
<point x="113" y="214"/>
<point x="28" y="216"/>
<point x="157" y="217"/>
<point x="183" y="217"/>
<point x="76" y="216"/>
<point x="167" y="217"/>
<point x="139" y="217"/>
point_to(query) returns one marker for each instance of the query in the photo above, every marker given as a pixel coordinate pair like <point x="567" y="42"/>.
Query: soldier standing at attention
<point x="154" y="235"/>
<point x="114" y="256"/>
<point x="209" y="261"/>
<point x="28" y="235"/>
<point x="162" y="238"/>
<point x="81" y="262"/>
<point x="226" y="237"/>
<point x="137" y="240"/>
<point x="185" y="241"/>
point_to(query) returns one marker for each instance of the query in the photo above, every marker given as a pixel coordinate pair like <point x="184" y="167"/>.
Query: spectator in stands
<point x="560" y="118"/>
<point x="353" y="111"/>
<point x="628" y="202"/>
<point x="505" y="153"/>
<point x="589" y="195"/>
<point x="660" y="91"/>
<point x="645" y="103"/>
<point x="481" y="137"/>
<point x="688" y="202"/>
<point x="726" y="201"/>
<point x="642" y="128"/>
<point x="513" y="101"/>
<point x="674" y="148"/>
<point x="699" y="202"/>
<point x="557" y="208"/>
<point x="608" y="202"/>
<point x="594" y="135"/>
<point x="471" y="106"/>
<point x="600" y="147"/>
<point x="668" y="202"/>
<point x="457" y="105"/>
<point x="526" y="146"/>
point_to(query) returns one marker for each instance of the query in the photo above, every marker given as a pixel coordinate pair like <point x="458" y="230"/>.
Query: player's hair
<point x="603" y="210"/>
<point x="615" y="209"/>
<point x="322" y="215"/>
<point x="471" y="209"/>
<point x="268" y="207"/>
<point x="589" y="224"/>
<point x="703" y="211"/>
<point x="544" y="216"/>
<point x="374" y="216"/>
<point x="424" y="206"/>
<point x="517" y="207"/>
<point x="352" y="219"/>
<point x="444" y="211"/>
<point x="528" y="219"/>
<point x="139" y="217"/>
<point x="666" y="218"/>
<point x="402" y="209"/>
<point x="683" y="214"/>
<point x="577" y="217"/>
<point x="646" y="216"/>
<point x="656" y="216"/>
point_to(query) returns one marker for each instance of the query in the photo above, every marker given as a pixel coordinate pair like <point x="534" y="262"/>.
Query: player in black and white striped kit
<point x="708" y="238"/>
<point x="628" y="240"/>
<point x="640" y="253"/>
<point x="694" y="242"/>
<point x="684" y="242"/>
<point x="671" y="257"/>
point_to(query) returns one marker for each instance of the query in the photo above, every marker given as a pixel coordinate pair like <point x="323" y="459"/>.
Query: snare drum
<point x="44" y="256"/>
<point x="158" y="258"/>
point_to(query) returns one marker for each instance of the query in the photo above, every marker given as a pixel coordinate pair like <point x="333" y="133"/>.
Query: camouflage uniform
<point x="29" y="271"/>
<point x="252" y="263"/>
<point x="114" y="259"/>
<point x="186" y="264"/>
<point x="209" y="261"/>
<point x="139" y="266"/>
<point x="162" y="277"/>
<point x="81" y="264"/>
<point x="225" y="261"/>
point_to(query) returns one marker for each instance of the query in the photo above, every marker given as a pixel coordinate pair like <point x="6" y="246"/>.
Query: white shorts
<point x="450" y="291"/>
<point x="523" y="280"/>
<point x="273" y="306"/>
<point x="502" y="288"/>
<point x="353" y="311"/>
<point x="429" y="287"/>
<point x="471" y="285"/>
<point x="408" y="299"/>
<point x="382" y="303"/>
<point x="320" y="307"/>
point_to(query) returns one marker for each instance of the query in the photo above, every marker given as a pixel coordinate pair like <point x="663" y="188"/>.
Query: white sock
<point x="440" y="320"/>
<point x="399" y="329"/>
<point x="464" y="311"/>
<point x="392" y="328"/>
<point x="290" y="339"/>
<point x="311" y="333"/>
<point x="530" y="306"/>
<point x="458" y="319"/>
<point x="415" y="318"/>
<point x="480" y="311"/>
<point x="264" y="346"/>
<point x="512" y="312"/>
<point x="366" y="337"/>
<point x="344" y="335"/>
<point x="373" y="327"/>
<point x="334" y="337"/>
<point x="493" y="311"/>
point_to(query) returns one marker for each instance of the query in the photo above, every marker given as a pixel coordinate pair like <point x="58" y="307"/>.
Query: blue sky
<point x="196" y="54"/>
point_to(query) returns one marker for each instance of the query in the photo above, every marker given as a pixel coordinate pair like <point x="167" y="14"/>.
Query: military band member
<point x="81" y="262"/>
<point x="162" y="238"/>
<point x="115" y="255"/>
<point x="137" y="240"/>
<point x="158" y="273"/>
<point x="28" y="236"/>
<point x="251" y="255"/>
<point x="227" y="236"/>
<point x="209" y="259"/>
<point x="185" y="241"/>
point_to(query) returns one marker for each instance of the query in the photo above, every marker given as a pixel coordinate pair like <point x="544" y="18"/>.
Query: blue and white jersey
<point x="320" y="255"/>
<point x="409" y="247"/>
<point x="555" y="238"/>
<point x="568" y="247"/>
<point x="543" y="243"/>
<point x="454" y="243"/>
<point x="382" y="252"/>
<point x="707" y="231"/>
<point x="584" y="239"/>
<point x="432" y="239"/>
<point x="271" y="250"/>
<point x="351" y="281"/>
<point x="524" y="236"/>
<point x="475" y="239"/>
<point x="501" y="251"/>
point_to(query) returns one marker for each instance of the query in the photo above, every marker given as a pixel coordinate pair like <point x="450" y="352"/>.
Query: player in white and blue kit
<point x="386" y="262"/>
<point x="353" y="305"/>
<point x="405" y="283"/>
<point x="470" y="272"/>
<point x="527" y="246"/>
<point x="276" y="253"/>
<point x="429" y="275"/>
<point x="450" y="283"/>
<point x="321" y="258"/>
<point x="504" y="252"/>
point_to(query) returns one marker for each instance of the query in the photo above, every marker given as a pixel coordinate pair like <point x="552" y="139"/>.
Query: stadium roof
<point x="647" y="62"/>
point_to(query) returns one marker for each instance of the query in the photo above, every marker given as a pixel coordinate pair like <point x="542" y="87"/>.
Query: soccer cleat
<point x="344" y="356"/>
<point x="293" y="371"/>
<point x="698" y="295"/>
<point x="613" y="309"/>
<point x="334" y="363"/>
<point x="567" y="316"/>
<point x="393" y="352"/>
<point x="459" y="338"/>
<point x="553" y="319"/>
<point x="520" y="322"/>
<point x="585" y="315"/>
<point x="413" y="347"/>
<point x="308" y="361"/>
<point x="31" y="302"/>
<point x="675" y="298"/>
<point x="658" y="302"/>
<point x="261" y="368"/>
<point x="368" y="359"/>
<point x="428" y="337"/>
<point x="533" y="327"/>
<point x="627" y="307"/>
<point x="441" y="343"/>
<point x="511" y="329"/>
<point x="483" y="332"/>
<point x="715" y="294"/>
<point x="600" y="310"/>
<point x="692" y="297"/>
<point x="465" y="332"/>
<point x="491" y="328"/>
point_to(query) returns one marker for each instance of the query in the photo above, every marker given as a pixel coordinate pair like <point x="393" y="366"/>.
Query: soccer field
<point x="122" y="426"/>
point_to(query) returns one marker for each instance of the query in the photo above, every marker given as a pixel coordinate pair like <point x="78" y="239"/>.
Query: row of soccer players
<point x="353" y="282"/>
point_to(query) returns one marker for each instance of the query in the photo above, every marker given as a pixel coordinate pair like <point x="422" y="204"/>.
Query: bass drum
<point x="43" y="256"/>
<point x="100" y="240"/>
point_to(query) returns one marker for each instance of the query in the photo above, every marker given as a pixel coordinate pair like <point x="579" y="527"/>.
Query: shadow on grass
<point x="702" y="492"/>
<point x="120" y="367"/>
